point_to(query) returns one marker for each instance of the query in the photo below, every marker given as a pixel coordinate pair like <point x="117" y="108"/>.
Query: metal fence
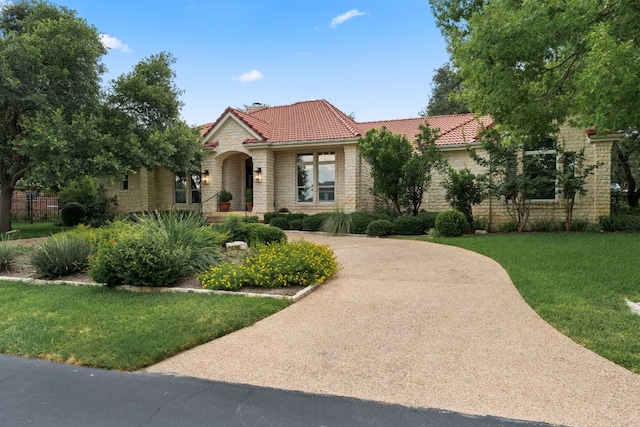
<point x="31" y="206"/>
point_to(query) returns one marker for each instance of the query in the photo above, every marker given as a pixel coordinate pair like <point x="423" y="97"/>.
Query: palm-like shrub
<point x="61" y="255"/>
<point x="8" y="254"/>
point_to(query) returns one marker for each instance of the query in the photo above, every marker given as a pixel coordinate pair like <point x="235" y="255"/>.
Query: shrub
<point x="72" y="214"/>
<point x="428" y="219"/>
<point x="295" y="224"/>
<point x="360" y="221"/>
<point x="337" y="223"/>
<point x="408" y="226"/>
<point x="579" y="224"/>
<point x="233" y="226"/>
<point x="86" y="191"/>
<point x="314" y="222"/>
<point x="154" y="251"/>
<point x="61" y="255"/>
<point x="547" y="225"/>
<point x="481" y="223"/>
<point x="451" y="223"/>
<point x="380" y="227"/>
<point x="621" y="222"/>
<point x="270" y="215"/>
<point x="264" y="234"/>
<point x="298" y="263"/>
<point x="141" y="258"/>
<point x="224" y="277"/>
<point x="251" y="219"/>
<point x="508" y="226"/>
<point x="280" y="222"/>
<point x="8" y="254"/>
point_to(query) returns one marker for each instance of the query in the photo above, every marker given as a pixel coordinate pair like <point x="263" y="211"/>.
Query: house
<point x="304" y="157"/>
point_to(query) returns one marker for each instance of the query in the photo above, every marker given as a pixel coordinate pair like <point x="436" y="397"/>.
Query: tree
<point x="463" y="189"/>
<point x="572" y="179"/>
<point x="626" y="165"/>
<point x="533" y="66"/>
<point x="445" y="85"/>
<point x="401" y="171"/>
<point x="54" y="121"/>
<point x="49" y="64"/>
<point x="510" y="175"/>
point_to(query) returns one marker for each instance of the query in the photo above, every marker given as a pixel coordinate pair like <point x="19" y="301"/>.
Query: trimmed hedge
<point x="360" y="220"/>
<point x="280" y="222"/>
<point x="451" y="223"/>
<point x="260" y="233"/>
<point x="380" y="227"/>
<point x="409" y="226"/>
<point x="72" y="214"/>
<point x="314" y="222"/>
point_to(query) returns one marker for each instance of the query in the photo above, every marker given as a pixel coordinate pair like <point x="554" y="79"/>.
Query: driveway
<point x="421" y="325"/>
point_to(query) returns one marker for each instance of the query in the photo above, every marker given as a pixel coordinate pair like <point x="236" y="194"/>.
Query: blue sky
<point x="374" y="58"/>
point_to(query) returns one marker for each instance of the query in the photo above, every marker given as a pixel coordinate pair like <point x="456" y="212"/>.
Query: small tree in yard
<point x="401" y="171"/>
<point x="507" y="174"/>
<point x="572" y="179"/>
<point x="463" y="189"/>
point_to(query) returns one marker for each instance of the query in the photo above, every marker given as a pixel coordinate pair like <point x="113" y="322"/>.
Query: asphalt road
<point x="44" y="394"/>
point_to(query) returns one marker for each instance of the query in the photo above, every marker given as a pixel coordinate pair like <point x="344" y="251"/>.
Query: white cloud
<point x="345" y="17"/>
<point x="249" y="76"/>
<point x="114" y="43"/>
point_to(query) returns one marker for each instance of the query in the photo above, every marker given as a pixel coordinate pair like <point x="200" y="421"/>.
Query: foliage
<point x="232" y="227"/>
<point x="264" y="234"/>
<point x="451" y="224"/>
<point x="85" y="191"/>
<point x="8" y="254"/>
<point x="337" y="223"/>
<point x="225" y="195"/>
<point x="155" y="250"/>
<point x="61" y="255"/>
<point x="100" y="327"/>
<point x="72" y="214"/>
<point x="463" y="189"/>
<point x="50" y="66"/>
<point x="625" y="165"/>
<point x="314" y="222"/>
<point x="481" y="223"/>
<point x="296" y="224"/>
<point x="445" y="84"/>
<point x="280" y="222"/>
<point x="409" y="225"/>
<point x="28" y="231"/>
<point x="508" y="226"/>
<point x="401" y="171"/>
<point x="248" y="195"/>
<point x="428" y="219"/>
<point x="280" y="264"/>
<point x="56" y="120"/>
<point x="546" y="225"/>
<point x="572" y="180"/>
<point x="576" y="282"/>
<point x="360" y="221"/>
<point x="504" y="178"/>
<point x="379" y="228"/>
<point x="626" y="221"/>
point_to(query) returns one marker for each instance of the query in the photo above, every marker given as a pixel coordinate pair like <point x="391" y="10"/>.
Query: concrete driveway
<point x="422" y="325"/>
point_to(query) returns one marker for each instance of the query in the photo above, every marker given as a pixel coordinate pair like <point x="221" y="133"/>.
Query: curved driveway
<point x="422" y="325"/>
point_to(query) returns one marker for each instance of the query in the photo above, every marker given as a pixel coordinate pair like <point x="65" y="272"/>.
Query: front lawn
<point x="101" y="327"/>
<point x="26" y="230"/>
<point x="577" y="282"/>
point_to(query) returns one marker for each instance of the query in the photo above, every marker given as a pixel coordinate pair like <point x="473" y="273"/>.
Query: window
<point x="125" y="182"/>
<point x="187" y="189"/>
<point x="540" y="164"/>
<point x="316" y="177"/>
<point x="569" y="167"/>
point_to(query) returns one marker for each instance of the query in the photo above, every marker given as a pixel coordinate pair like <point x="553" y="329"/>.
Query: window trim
<point x="544" y="152"/>
<point x="189" y="188"/>
<point x="316" y="187"/>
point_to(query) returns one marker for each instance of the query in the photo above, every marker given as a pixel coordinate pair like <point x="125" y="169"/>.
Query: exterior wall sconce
<point x="205" y="177"/>
<point x="257" y="175"/>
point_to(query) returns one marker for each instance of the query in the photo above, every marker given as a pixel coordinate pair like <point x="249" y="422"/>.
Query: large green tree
<point x="535" y="65"/>
<point x="446" y="83"/>
<point x="56" y="122"/>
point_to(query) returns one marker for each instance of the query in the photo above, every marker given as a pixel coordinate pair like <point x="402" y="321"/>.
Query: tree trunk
<point x="6" y="191"/>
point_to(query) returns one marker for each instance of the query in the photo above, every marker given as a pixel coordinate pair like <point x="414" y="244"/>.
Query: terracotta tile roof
<point x="454" y="129"/>
<point x="321" y="121"/>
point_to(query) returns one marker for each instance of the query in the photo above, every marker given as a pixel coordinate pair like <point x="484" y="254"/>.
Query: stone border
<point x="147" y="289"/>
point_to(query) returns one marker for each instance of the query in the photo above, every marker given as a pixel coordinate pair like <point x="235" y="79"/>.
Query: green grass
<point x="37" y="229"/>
<point x="577" y="282"/>
<point x="101" y="327"/>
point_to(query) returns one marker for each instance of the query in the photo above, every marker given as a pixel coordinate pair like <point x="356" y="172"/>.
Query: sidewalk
<point x="425" y="326"/>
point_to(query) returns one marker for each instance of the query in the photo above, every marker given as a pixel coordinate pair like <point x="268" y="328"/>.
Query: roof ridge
<point x="341" y="116"/>
<point x="459" y="125"/>
<point x="244" y="120"/>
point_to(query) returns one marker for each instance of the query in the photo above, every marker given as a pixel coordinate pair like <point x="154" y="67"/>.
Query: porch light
<point x="257" y="175"/>
<point x="205" y="176"/>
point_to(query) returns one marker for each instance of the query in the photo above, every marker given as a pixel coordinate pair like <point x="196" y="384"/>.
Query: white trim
<point x="223" y="120"/>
